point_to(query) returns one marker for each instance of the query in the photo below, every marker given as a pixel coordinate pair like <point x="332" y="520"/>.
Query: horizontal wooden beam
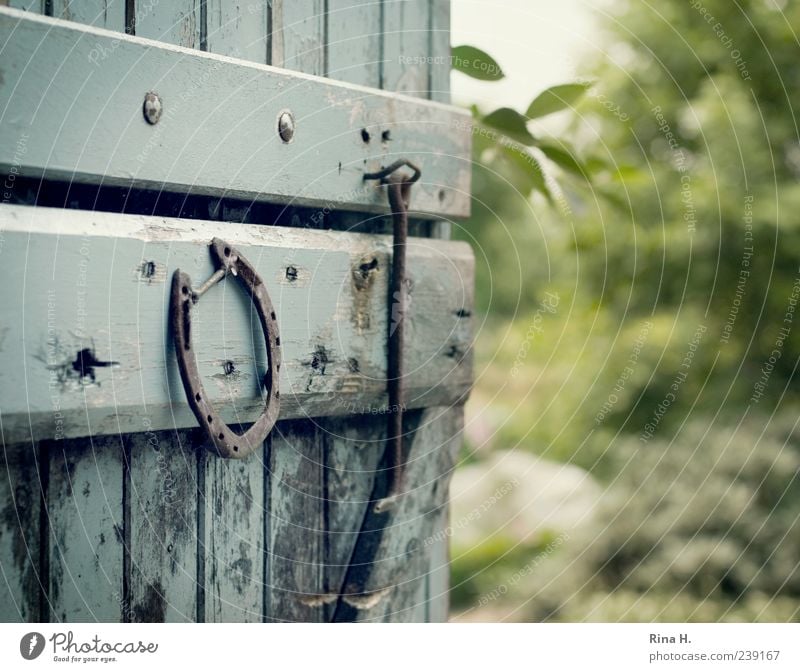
<point x="71" y="108"/>
<point x="85" y="346"/>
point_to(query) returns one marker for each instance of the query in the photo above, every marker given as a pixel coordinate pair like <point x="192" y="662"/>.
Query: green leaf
<point x="556" y="98"/>
<point x="528" y="165"/>
<point x="628" y="173"/>
<point x="565" y="157"/>
<point x="475" y="63"/>
<point x="511" y="123"/>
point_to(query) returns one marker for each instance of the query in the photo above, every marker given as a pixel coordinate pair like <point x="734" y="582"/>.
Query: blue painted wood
<point x="101" y="13"/>
<point x="354" y="42"/>
<point x="406" y="38"/>
<point x="298" y="35"/>
<point x="238" y="29"/>
<point x="175" y="22"/>
<point x="86" y="541"/>
<point x="21" y="577"/>
<point x="296" y="577"/>
<point x="36" y="6"/>
<point x="162" y="483"/>
<point x="91" y="342"/>
<point x="233" y="535"/>
<point x="284" y="550"/>
<point x="218" y="130"/>
<point x="439" y="69"/>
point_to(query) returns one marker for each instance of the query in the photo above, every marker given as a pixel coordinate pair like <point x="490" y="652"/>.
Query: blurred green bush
<point x="675" y="269"/>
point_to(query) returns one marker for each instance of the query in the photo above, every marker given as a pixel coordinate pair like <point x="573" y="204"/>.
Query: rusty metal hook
<point x="227" y="260"/>
<point x="399" y="188"/>
<point x="384" y="173"/>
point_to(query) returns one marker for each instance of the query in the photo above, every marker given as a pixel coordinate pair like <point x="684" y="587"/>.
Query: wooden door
<point x="113" y="509"/>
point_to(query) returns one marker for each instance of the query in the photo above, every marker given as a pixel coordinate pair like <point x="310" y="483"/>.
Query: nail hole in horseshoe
<point x="277" y="340"/>
<point x="197" y="397"/>
<point x="227" y="251"/>
<point x="210" y="419"/>
<point x="272" y="315"/>
<point x="221" y="436"/>
<point x="184" y="290"/>
<point x="236" y="449"/>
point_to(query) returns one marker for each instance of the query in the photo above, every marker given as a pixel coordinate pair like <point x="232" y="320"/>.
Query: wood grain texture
<point x="175" y="22"/>
<point x="391" y="562"/>
<point x="85" y="517"/>
<point x="234" y="539"/>
<point x="108" y="14"/>
<point x="354" y="448"/>
<point x="279" y="536"/>
<point x="36" y="6"/>
<point x="238" y="29"/>
<point x="93" y="337"/>
<point x="296" y="578"/>
<point x="440" y="67"/>
<point x="162" y="539"/>
<point x="298" y="35"/>
<point x="354" y="42"/>
<point x="218" y="130"/>
<point x="21" y="488"/>
<point x="437" y="581"/>
<point x="321" y="475"/>
<point x="407" y="46"/>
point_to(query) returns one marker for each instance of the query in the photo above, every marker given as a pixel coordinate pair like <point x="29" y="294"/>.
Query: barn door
<point x="123" y="158"/>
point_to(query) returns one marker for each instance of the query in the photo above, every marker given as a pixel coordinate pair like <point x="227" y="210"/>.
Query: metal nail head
<point x="286" y="126"/>
<point x="152" y="108"/>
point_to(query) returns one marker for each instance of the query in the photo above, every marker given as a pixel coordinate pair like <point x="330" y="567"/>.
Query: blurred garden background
<point x="632" y="448"/>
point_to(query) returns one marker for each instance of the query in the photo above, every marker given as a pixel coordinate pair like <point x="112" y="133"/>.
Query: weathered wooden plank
<point x="234" y="539"/>
<point x="393" y="553"/>
<point x="36" y="6"/>
<point x="238" y="29"/>
<point x="438" y="578"/>
<point x="21" y="487"/>
<point x="176" y="22"/>
<point x="108" y="14"/>
<point x="93" y="334"/>
<point x="440" y="66"/>
<point x="298" y="35"/>
<point x="437" y="582"/>
<point x="354" y="42"/>
<point x="85" y="516"/>
<point x="437" y="591"/>
<point x="353" y="445"/>
<point x="353" y="449"/>
<point x="407" y="46"/>
<point x="296" y="577"/>
<point x="163" y="547"/>
<point x="439" y="82"/>
<point x="231" y="524"/>
<point x="321" y="481"/>
<point x="296" y="582"/>
<point x="218" y="130"/>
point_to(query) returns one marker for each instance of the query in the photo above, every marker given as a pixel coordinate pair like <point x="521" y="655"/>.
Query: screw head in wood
<point x="286" y="126"/>
<point x="152" y="108"/>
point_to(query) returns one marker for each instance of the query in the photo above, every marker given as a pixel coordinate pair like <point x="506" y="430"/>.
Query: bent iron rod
<point x="399" y="189"/>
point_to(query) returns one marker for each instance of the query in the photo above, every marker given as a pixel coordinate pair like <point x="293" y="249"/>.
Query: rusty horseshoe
<point x="227" y="260"/>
